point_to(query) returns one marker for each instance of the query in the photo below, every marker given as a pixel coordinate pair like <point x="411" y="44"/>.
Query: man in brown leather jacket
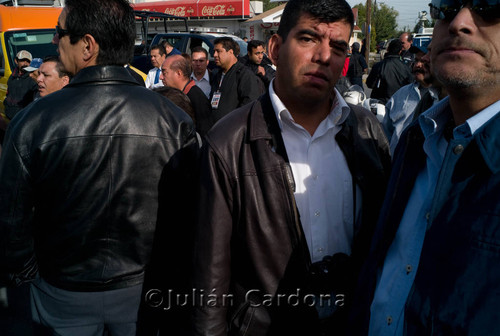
<point x="290" y="189"/>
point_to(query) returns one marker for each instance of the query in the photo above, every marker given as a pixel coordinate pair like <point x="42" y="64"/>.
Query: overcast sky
<point x="408" y="9"/>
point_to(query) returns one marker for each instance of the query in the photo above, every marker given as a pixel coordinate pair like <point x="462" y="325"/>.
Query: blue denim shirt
<point x="400" y="267"/>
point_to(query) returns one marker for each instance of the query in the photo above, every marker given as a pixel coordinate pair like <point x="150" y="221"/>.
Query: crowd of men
<point x="251" y="199"/>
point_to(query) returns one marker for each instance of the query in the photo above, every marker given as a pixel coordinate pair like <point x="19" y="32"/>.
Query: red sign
<point x="198" y="8"/>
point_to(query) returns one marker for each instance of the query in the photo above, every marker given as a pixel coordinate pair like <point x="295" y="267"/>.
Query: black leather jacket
<point x="249" y="238"/>
<point x="80" y="174"/>
<point x="393" y="75"/>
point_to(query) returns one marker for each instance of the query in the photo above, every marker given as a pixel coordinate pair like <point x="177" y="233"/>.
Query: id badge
<point x="215" y="100"/>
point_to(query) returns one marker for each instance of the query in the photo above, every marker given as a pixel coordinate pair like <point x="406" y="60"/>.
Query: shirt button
<point x="427" y="216"/>
<point x="458" y="149"/>
<point x="315" y="177"/>
<point x="321" y="249"/>
<point x="317" y="214"/>
<point x="408" y="269"/>
<point x="389" y="320"/>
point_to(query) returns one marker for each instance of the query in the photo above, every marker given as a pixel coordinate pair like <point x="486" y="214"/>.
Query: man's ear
<point x="90" y="48"/>
<point x="274" y="48"/>
<point x="65" y="80"/>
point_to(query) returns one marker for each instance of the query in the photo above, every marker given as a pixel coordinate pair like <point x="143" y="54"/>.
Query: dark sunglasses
<point x="61" y="32"/>
<point x="448" y="9"/>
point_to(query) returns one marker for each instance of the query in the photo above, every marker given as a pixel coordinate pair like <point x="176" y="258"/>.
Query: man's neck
<point x="199" y="75"/>
<point x="306" y="113"/>
<point x="226" y="69"/>
<point x="184" y="84"/>
<point x="466" y="103"/>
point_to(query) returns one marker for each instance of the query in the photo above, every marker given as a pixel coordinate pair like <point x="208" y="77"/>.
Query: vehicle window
<point x="243" y="47"/>
<point x="198" y="42"/>
<point x="175" y="41"/>
<point x="194" y="42"/>
<point x="37" y="42"/>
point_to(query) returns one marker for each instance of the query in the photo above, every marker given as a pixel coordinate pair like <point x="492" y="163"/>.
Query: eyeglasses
<point x="200" y="60"/>
<point x="61" y="32"/>
<point x="448" y="9"/>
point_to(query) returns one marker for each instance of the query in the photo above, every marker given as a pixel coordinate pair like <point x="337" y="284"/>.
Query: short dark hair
<point x="110" y="22"/>
<point x="322" y="10"/>
<point x="165" y="43"/>
<point x="178" y="98"/>
<point x="59" y="66"/>
<point x="160" y="48"/>
<point x="394" y="47"/>
<point x="183" y="64"/>
<point x="228" y="44"/>
<point x="200" y="49"/>
<point x="254" y="44"/>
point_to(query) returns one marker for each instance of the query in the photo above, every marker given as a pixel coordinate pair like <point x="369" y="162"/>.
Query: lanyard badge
<point x="215" y="100"/>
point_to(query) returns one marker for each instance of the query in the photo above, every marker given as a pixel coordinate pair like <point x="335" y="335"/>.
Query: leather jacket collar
<point x="102" y="73"/>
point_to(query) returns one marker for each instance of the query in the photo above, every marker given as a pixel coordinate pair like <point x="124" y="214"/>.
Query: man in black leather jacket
<point x="81" y="171"/>
<point x="389" y="75"/>
<point x="257" y="61"/>
<point x="290" y="179"/>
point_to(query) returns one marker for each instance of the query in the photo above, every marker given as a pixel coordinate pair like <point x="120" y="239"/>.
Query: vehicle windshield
<point x="37" y="41"/>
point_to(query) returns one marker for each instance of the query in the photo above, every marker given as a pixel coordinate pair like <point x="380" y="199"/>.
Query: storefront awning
<point x="199" y="9"/>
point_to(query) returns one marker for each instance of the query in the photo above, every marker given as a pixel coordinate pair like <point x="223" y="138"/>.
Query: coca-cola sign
<point x="217" y="10"/>
<point x="178" y="11"/>
<point x="208" y="9"/>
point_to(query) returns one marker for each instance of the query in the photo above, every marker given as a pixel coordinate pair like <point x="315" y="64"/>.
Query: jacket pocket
<point x="249" y="319"/>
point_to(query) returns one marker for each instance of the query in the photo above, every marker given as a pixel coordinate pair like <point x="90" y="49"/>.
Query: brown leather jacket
<point x="249" y="245"/>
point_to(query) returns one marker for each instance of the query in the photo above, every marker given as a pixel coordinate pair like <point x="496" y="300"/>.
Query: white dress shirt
<point x="324" y="185"/>
<point x="150" y="79"/>
<point x="203" y="83"/>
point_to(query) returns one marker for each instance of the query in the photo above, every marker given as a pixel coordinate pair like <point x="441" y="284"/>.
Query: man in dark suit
<point x="175" y="72"/>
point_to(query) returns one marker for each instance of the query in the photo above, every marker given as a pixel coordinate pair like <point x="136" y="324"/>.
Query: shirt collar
<point x="435" y="119"/>
<point x="339" y="110"/>
<point x="205" y="76"/>
<point x="478" y="120"/>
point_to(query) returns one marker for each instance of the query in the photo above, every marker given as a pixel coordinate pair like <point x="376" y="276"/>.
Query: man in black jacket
<point x="257" y="61"/>
<point x="81" y="171"/>
<point x="357" y="66"/>
<point x="21" y="88"/>
<point x="233" y="85"/>
<point x="175" y="72"/>
<point x="291" y="185"/>
<point x="390" y="74"/>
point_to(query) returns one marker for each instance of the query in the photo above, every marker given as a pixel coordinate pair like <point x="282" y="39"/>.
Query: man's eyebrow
<point x="340" y="43"/>
<point x="308" y="32"/>
<point x="314" y="33"/>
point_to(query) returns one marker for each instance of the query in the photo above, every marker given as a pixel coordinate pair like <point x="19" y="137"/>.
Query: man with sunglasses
<point x="433" y="268"/>
<point x="82" y="174"/>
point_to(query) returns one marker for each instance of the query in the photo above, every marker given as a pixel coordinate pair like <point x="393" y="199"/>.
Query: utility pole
<point x="368" y="29"/>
